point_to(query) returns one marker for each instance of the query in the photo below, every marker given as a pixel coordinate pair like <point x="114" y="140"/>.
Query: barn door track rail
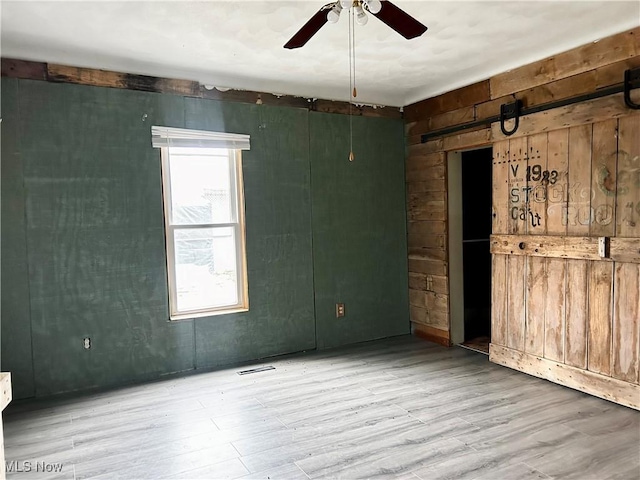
<point x="514" y="110"/>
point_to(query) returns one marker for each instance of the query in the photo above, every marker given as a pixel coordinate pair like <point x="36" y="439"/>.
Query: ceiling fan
<point x="387" y="12"/>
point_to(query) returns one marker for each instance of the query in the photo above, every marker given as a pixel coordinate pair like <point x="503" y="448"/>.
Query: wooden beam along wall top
<point x="584" y="70"/>
<point x="581" y="248"/>
<point x="609" y="101"/>
<point x="23" y="69"/>
<point x="590" y="56"/>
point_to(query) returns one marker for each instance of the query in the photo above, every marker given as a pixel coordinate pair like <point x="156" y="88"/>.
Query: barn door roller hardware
<point x="508" y="111"/>
<point x="631" y="81"/>
<point x="631" y="78"/>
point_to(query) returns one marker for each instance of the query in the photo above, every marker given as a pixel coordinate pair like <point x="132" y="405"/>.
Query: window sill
<point x="209" y="313"/>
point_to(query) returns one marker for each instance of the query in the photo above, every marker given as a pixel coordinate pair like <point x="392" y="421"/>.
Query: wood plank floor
<point x="398" y="408"/>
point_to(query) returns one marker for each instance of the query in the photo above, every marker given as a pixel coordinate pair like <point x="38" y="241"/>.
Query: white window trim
<point x="241" y="257"/>
<point x="180" y="137"/>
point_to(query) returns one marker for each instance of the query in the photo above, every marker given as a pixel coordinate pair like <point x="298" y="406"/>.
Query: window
<point x="204" y="221"/>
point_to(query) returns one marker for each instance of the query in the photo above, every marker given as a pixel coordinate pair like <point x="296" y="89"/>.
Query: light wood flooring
<point x="397" y="408"/>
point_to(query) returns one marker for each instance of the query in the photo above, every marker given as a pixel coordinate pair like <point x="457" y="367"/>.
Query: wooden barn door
<point x="566" y="257"/>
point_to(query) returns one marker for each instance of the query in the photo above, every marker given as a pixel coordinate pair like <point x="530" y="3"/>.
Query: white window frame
<point x="237" y="191"/>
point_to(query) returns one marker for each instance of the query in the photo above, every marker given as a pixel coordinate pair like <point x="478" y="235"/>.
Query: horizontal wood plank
<point x="454" y="117"/>
<point x="443" y="120"/>
<point x="426" y="227"/>
<point x="433" y="318"/>
<point x="492" y="107"/>
<point x="27" y="70"/>
<point x="417" y="281"/>
<point x="418" y="162"/>
<point x="427" y="173"/>
<point x="552" y="91"/>
<point x="427" y="211"/>
<point x="431" y="146"/>
<point x="586" y="82"/>
<point x="431" y="283"/>
<point x="422" y="264"/>
<point x="582" y="83"/>
<point x="431" y="334"/>
<point x="437" y="302"/>
<point x="461" y="141"/>
<point x="463" y="97"/>
<point x="413" y="140"/>
<point x="593" y="383"/>
<point x="613" y="74"/>
<point x="343" y="108"/>
<point x="585" y="248"/>
<point x="429" y="253"/>
<point x="586" y="57"/>
<point x="437" y="185"/>
<point x="582" y="113"/>
<point x="428" y="196"/>
<point x="438" y="284"/>
<point x="429" y="241"/>
<point x="105" y="78"/>
<point x="417" y="298"/>
<point x="261" y="98"/>
<point x="551" y="246"/>
<point x="626" y="250"/>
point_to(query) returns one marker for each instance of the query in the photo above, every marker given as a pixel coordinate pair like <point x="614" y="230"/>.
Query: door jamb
<point x="456" y="279"/>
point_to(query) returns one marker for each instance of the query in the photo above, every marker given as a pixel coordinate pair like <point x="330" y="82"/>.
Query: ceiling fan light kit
<point x="361" y="17"/>
<point x="394" y="17"/>
<point x="374" y="6"/>
<point x="334" y="14"/>
<point x="385" y="11"/>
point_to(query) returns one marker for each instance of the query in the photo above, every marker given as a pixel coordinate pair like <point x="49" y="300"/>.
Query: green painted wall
<point x="358" y="228"/>
<point x="83" y="238"/>
<point x="16" y="327"/>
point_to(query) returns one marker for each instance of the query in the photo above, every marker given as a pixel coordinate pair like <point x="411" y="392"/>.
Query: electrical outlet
<point x="86" y="343"/>
<point x="339" y="310"/>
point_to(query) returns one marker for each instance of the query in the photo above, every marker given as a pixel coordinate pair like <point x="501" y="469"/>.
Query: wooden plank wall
<point x="568" y="176"/>
<point x="426" y="177"/>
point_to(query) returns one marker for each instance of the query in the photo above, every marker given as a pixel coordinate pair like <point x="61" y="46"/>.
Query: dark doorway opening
<point x="476" y="230"/>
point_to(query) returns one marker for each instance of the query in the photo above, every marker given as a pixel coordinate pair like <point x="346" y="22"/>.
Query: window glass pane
<point x="205" y="268"/>
<point x="200" y="186"/>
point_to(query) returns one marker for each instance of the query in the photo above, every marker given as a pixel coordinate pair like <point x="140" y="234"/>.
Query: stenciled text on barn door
<point x="566" y="257"/>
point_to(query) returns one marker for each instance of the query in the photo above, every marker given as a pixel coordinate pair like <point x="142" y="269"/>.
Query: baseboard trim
<point x="435" y="335"/>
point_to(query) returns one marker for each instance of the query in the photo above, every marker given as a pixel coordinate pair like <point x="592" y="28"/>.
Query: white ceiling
<point x="239" y="44"/>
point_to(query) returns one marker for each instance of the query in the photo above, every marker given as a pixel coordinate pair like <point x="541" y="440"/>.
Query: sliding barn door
<point x="566" y="257"/>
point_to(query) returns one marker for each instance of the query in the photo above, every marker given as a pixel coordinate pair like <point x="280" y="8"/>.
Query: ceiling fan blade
<point x="400" y="21"/>
<point x="310" y="28"/>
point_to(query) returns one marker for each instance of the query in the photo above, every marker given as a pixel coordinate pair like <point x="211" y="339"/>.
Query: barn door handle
<point x="631" y="77"/>
<point x="507" y="112"/>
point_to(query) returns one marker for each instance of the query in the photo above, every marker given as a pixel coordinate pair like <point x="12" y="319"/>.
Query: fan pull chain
<point x="353" y="42"/>
<point x="352" y="88"/>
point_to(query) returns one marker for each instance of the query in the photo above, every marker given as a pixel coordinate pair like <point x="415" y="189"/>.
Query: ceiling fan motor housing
<point x="385" y="11"/>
